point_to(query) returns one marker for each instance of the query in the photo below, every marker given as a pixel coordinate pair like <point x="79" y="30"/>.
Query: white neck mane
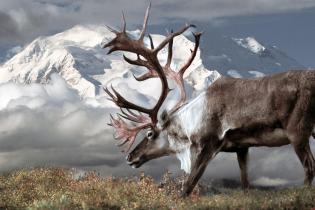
<point x="189" y="118"/>
<point x="183" y="153"/>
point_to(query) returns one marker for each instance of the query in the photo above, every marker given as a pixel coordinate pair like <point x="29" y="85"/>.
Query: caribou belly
<point x="270" y="138"/>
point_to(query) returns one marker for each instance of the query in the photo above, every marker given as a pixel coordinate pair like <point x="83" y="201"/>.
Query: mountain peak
<point x="83" y="35"/>
<point x="244" y="57"/>
<point x="251" y="44"/>
<point x="77" y="56"/>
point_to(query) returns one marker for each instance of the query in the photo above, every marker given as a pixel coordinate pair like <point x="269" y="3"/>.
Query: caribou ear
<point x="164" y="118"/>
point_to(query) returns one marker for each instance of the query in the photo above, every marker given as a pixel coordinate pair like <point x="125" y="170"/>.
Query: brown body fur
<point x="235" y="114"/>
<point x="269" y="111"/>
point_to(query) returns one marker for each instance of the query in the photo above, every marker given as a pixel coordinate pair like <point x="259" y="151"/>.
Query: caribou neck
<point x="185" y="129"/>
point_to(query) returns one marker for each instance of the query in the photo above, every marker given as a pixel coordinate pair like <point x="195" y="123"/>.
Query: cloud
<point x="8" y="27"/>
<point x="49" y="125"/>
<point x="27" y="19"/>
<point x="265" y="181"/>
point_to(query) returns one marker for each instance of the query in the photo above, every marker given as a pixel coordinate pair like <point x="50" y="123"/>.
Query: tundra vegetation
<point x="60" y="188"/>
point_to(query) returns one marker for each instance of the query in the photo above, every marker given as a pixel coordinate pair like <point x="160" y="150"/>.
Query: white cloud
<point x="42" y="124"/>
<point x="49" y="125"/>
<point x="265" y="181"/>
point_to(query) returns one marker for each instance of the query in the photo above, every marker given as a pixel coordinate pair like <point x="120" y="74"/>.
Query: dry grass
<point x="55" y="188"/>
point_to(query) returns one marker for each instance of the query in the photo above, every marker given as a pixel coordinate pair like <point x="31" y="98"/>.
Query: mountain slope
<point x="77" y="56"/>
<point x="244" y="57"/>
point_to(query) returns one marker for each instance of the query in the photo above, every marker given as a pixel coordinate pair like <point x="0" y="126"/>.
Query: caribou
<point x="232" y="115"/>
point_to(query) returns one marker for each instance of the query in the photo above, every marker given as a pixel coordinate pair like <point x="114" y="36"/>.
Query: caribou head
<point x="155" y="144"/>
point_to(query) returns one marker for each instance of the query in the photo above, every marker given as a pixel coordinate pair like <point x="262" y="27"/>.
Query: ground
<point x="60" y="188"/>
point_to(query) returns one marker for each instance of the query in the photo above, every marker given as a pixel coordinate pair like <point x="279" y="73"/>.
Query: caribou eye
<point x="150" y="134"/>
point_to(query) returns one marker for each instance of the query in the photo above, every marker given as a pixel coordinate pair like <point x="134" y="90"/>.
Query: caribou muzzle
<point x="136" y="162"/>
<point x="138" y="156"/>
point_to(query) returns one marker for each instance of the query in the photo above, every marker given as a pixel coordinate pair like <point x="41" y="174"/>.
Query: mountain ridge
<point x="77" y="56"/>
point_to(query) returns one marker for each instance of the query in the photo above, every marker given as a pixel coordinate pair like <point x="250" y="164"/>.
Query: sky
<point x="287" y="24"/>
<point x="49" y="124"/>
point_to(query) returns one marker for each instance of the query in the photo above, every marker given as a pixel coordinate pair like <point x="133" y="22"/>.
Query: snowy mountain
<point x="77" y="56"/>
<point x="246" y="57"/>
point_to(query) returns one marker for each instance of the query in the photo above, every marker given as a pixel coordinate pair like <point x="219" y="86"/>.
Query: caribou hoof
<point x="184" y="194"/>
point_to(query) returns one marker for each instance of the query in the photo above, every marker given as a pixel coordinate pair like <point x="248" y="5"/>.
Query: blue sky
<point x="293" y="32"/>
<point x="288" y="24"/>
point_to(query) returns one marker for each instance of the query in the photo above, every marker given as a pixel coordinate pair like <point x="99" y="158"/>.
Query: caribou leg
<point x="305" y="155"/>
<point x="311" y="160"/>
<point x="242" y="157"/>
<point x="205" y="155"/>
<point x="299" y="130"/>
<point x="196" y="172"/>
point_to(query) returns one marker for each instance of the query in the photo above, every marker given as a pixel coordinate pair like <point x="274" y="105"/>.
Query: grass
<point x="56" y="188"/>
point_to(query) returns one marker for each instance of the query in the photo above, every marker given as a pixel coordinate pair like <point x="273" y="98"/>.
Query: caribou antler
<point x="126" y="133"/>
<point x="177" y="76"/>
<point x="146" y="57"/>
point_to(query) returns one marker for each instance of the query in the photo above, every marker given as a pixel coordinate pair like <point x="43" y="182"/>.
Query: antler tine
<point x="151" y="42"/>
<point x="123" y="22"/>
<point x="170" y="52"/>
<point x="178" y="77"/>
<point x="123" y="42"/>
<point x="150" y="74"/>
<point x="129" y="113"/>
<point x="133" y="117"/>
<point x="171" y="36"/>
<point x="111" y="120"/>
<point x="128" y="118"/>
<point x="121" y="102"/>
<point x="193" y="53"/>
<point x="112" y="29"/>
<point x="145" y="22"/>
<point x="112" y="97"/>
<point x="138" y="62"/>
<point x="124" y="132"/>
<point x="132" y="113"/>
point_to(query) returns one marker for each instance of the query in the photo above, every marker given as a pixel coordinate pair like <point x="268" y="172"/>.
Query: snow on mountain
<point x="77" y="56"/>
<point x="251" y="44"/>
<point x="247" y="57"/>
